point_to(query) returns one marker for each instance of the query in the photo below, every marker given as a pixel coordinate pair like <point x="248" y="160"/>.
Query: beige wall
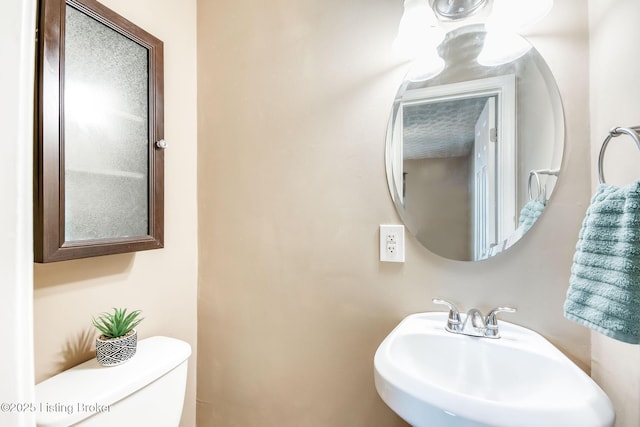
<point x="162" y="283"/>
<point x="615" y="101"/>
<point x="294" y="99"/>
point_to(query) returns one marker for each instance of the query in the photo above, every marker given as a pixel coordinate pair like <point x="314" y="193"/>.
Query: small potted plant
<point x="118" y="340"/>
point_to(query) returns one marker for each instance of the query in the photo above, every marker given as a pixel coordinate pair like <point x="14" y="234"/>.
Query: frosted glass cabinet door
<point x="99" y="156"/>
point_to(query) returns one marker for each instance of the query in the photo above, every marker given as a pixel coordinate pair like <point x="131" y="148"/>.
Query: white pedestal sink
<point x="434" y="378"/>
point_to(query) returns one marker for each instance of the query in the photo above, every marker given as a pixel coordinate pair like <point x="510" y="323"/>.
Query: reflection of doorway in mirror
<point x="466" y="127"/>
<point x="492" y="225"/>
<point x="483" y="188"/>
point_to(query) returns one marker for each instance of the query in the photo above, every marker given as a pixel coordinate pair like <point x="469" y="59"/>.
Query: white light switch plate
<point x="392" y="243"/>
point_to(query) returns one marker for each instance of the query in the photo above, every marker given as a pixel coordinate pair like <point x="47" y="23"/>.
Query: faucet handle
<point x="491" y="322"/>
<point x="453" y="322"/>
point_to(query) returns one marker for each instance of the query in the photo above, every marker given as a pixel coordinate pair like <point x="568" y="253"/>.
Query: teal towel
<point x="604" y="288"/>
<point x="530" y="213"/>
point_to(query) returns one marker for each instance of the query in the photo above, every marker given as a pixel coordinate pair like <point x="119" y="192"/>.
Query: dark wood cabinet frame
<point x="49" y="179"/>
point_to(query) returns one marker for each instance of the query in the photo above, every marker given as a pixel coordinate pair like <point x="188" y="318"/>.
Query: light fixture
<point x="457" y="9"/>
<point x="517" y="15"/>
<point x="426" y="67"/>
<point x="418" y="31"/>
<point x="501" y="48"/>
<point x="502" y="43"/>
<point x="423" y="23"/>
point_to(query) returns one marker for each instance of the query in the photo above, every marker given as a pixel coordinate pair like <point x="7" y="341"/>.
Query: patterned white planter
<point x="114" y="351"/>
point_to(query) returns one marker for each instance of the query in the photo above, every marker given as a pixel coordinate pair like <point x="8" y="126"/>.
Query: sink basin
<point x="431" y="377"/>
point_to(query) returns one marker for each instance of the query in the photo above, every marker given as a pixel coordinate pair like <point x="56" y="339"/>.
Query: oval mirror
<point x="474" y="146"/>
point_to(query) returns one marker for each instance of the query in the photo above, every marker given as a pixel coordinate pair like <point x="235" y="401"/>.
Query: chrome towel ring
<point x="632" y="132"/>
<point x="540" y="190"/>
<point x="534" y="174"/>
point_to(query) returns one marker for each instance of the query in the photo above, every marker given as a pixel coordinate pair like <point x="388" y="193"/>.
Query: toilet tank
<point x="147" y="390"/>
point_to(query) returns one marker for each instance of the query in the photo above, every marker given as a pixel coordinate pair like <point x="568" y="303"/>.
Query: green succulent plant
<point x="117" y="324"/>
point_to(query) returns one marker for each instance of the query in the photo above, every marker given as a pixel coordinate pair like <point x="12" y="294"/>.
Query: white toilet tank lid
<point x="89" y="388"/>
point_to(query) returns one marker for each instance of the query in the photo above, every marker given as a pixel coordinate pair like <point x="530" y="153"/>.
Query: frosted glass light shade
<point x="501" y="47"/>
<point x="426" y="67"/>
<point x="418" y="30"/>
<point x="516" y="15"/>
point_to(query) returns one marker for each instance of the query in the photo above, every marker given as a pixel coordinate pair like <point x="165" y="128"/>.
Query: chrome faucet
<point x="477" y="322"/>
<point x="486" y="327"/>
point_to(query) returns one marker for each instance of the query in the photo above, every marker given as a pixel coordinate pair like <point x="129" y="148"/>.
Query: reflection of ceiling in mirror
<point x="440" y="129"/>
